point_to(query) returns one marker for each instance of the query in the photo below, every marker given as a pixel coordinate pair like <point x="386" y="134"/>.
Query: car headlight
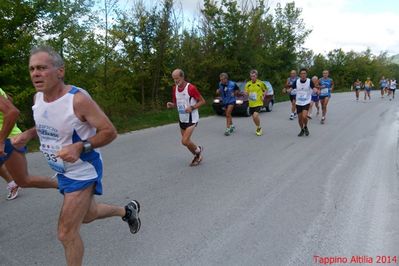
<point x="216" y="101"/>
<point x="239" y="101"/>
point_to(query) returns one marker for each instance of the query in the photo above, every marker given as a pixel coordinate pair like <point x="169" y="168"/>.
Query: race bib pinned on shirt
<point x="181" y="107"/>
<point x="324" y="91"/>
<point x="301" y="95"/>
<point x="253" y="96"/>
<point x="50" y="153"/>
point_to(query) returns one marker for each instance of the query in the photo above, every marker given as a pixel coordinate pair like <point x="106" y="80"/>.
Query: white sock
<point x="197" y="150"/>
<point x="11" y="184"/>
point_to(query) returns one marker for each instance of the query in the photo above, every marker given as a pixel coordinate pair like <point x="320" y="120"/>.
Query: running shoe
<point x="306" y="131"/>
<point x="309" y="116"/>
<point x="227" y="132"/>
<point x="13" y="190"/>
<point x="259" y="131"/>
<point x="322" y="120"/>
<point x="132" y="216"/>
<point x="295" y="115"/>
<point x="232" y="128"/>
<point x="197" y="158"/>
<point x="301" y="133"/>
<point x="292" y="116"/>
<point x="317" y="113"/>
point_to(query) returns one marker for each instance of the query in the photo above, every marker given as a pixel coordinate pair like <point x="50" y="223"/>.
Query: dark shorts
<point x="227" y="105"/>
<point x="67" y="185"/>
<point x="184" y="126"/>
<point x="8" y="149"/>
<point x="292" y="97"/>
<point x="300" y="108"/>
<point x="315" y="99"/>
<point x="253" y="110"/>
<point x="323" y="97"/>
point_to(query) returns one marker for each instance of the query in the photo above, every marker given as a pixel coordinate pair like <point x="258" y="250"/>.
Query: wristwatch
<point x="87" y="146"/>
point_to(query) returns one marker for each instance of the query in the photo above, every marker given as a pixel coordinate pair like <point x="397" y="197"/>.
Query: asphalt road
<point x="272" y="200"/>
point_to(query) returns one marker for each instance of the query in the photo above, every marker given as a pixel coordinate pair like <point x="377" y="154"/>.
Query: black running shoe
<point x="306" y="131"/>
<point x="132" y="216"/>
<point x="301" y="133"/>
<point x="198" y="157"/>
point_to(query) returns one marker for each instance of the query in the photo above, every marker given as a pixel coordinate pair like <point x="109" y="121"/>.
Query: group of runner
<point x="387" y="87"/>
<point x="304" y="93"/>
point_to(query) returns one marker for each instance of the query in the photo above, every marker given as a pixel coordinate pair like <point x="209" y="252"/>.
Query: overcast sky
<point x="347" y="24"/>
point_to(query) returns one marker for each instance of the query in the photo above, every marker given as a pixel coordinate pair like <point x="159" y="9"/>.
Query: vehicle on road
<point x="241" y="106"/>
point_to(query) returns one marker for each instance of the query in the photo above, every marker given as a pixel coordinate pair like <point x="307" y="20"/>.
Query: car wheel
<point x="247" y="112"/>
<point x="269" y="107"/>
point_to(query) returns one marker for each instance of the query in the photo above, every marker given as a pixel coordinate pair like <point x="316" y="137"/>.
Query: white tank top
<point x="303" y="92"/>
<point x="184" y="100"/>
<point x="57" y="126"/>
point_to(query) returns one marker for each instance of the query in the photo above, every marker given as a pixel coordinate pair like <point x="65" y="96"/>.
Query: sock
<point x="11" y="184"/>
<point x="197" y="150"/>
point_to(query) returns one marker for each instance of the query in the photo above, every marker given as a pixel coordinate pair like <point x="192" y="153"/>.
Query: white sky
<point x="348" y="24"/>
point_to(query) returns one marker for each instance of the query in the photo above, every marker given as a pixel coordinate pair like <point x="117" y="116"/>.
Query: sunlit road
<point x="272" y="200"/>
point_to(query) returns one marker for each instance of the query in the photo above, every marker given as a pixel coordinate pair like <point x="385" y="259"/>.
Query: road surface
<point x="272" y="200"/>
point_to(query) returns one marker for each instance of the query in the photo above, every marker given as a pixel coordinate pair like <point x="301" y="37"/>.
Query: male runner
<point x="392" y="88"/>
<point x="357" y="85"/>
<point x="326" y="86"/>
<point x="304" y="88"/>
<point x="71" y="127"/>
<point x="255" y="90"/>
<point x="228" y="90"/>
<point x="368" y="84"/>
<point x="291" y="93"/>
<point x="187" y="99"/>
<point x="8" y="115"/>
<point x="383" y="86"/>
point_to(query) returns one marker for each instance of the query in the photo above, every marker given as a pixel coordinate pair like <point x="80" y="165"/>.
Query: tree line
<point x="124" y="57"/>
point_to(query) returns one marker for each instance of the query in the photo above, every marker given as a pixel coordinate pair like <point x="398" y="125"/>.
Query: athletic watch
<point x="87" y="146"/>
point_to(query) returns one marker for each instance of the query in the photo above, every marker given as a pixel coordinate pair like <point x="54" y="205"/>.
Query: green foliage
<point x="124" y="58"/>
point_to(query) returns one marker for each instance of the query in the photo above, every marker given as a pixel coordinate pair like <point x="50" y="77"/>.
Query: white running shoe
<point x="13" y="190"/>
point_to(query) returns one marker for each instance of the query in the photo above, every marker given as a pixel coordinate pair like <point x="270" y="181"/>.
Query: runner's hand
<point x="170" y="105"/>
<point x="19" y="141"/>
<point x="71" y="153"/>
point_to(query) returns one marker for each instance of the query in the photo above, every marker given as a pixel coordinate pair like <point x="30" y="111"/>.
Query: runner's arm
<point x="10" y="116"/>
<point x="88" y="111"/>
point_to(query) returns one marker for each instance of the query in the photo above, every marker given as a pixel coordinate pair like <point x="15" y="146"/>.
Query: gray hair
<point x="253" y="71"/>
<point x="56" y="58"/>
<point x="224" y="75"/>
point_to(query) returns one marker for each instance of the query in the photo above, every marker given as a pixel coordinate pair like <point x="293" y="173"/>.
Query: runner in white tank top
<point x="71" y="126"/>
<point x="187" y="100"/>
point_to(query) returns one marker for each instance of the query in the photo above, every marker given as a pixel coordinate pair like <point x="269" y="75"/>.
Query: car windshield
<point x="241" y="85"/>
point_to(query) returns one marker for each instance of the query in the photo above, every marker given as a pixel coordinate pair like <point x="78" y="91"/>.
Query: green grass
<point x="148" y="119"/>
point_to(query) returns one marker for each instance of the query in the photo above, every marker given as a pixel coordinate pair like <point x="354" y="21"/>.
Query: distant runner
<point x="255" y="90"/>
<point x="392" y="88"/>
<point x="228" y="91"/>
<point x="291" y="93"/>
<point x="326" y="86"/>
<point x="304" y="88"/>
<point x="368" y="85"/>
<point x="357" y="85"/>
<point x="315" y="98"/>
<point x="187" y="100"/>
<point x="383" y="85"/>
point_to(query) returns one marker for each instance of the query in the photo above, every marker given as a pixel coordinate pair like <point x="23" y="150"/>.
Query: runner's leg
<point x="75" y="207"/>
<point x="18" y="168"/>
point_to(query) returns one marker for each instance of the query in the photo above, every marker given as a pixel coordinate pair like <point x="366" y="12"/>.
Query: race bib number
<point x="324" y="91"/>
<point x="301" y="95"/>
<point x="253" y="96"/>
<point x="55" y="163"/>
<point x="181" y="107"/>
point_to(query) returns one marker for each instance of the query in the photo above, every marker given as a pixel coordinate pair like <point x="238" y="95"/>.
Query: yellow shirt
<point x="15" y="130"/>
<point x="255" y="92"/>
